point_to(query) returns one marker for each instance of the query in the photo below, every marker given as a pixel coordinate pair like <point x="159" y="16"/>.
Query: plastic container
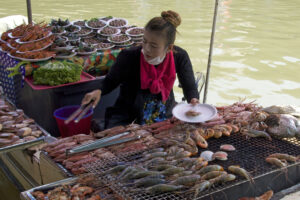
<point x="72" y="128"/>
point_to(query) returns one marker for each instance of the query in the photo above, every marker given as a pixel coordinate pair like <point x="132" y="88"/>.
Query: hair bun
<point x="172" y="17"/>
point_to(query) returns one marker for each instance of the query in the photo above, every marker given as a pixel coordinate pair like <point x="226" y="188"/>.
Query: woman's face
<point x="154" y="44"/>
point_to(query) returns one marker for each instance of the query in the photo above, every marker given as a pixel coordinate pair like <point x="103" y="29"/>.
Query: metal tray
<point x="250" y="155"/>
<point x="26" y="195"/>
<point x="46" y="138"/>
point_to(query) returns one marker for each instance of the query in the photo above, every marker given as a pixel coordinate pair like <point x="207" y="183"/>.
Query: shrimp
<point x="143" y="174"/>
<point x="200" y="187"/>
<point x="189" y="180"/>
<point x="241" y="172"/>
<point x="155" y="155"/>
<point x="222" y="179"/>
<point x="283" y="156"/>
<point x="210" y="168"/>
<point x="148" y="181"/>
<point x="161" y="167"/>
<point x="172" y="171"/>
<point x="163" y="188"/>
<point x="183" y="154"/>
<point x="255" y="133"/>
<point x="212" y="174"/>
<point x="277" y="162"/>
<point x="116" y="169"/>
<point x="201" y="142"/>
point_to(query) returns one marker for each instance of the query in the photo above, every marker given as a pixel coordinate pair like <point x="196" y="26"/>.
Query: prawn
<point x="241" y="172"/>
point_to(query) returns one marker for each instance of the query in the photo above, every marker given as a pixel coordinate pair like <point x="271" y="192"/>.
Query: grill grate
<point x="250" y="154"/>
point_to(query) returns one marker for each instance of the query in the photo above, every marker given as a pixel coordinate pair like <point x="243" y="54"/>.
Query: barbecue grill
<point x="250" y="154"/>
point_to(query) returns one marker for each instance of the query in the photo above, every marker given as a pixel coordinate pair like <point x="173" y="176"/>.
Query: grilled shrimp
<point x="172" y="171"/>
<point x="276" y="161"/>
<point x="255" y="133"/>
<point x="283" y="156"/>
<point x="173" y="150"/>
<point x="212" y="174"/>
<point x="200" y="141"/>
<point x="189" y="180"/>
<point x="143" y="174"/>
<point x="117" y="169"/>
<point x="183" y="154"/>
<point x="210" y="168"/>
<point x="154" y="151"/>
<point x="148" y="181"/>
<point x="155" y="161"/>
<point x="241" y="172"/>
<point x="163" y="188"/>
<point x="222" y="179"/>
<point x="161" y="167"/>
<point x="155" y="155"/>
<point x="200" y="187"/>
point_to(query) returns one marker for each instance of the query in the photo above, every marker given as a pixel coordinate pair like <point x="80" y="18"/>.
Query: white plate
<point x="66" y="57"/>
<point x="20" y="42"/>
<point x="106" y="48"/>
<point x="131" y="35"/>
<point x="45" y="47"/>
<point x="30" y="60"/>
<point x="126" y="22"/>
<point x="86" y="53"/>
<point x="207" y="111"/>
<point x="63" y="48"/>
<point x="109" y="39"/>
<point x="87" y="25"/>
<point x="61" y="33"/>
<point x="13" y="37"/>
<point x="73" y="22"/>
<point x="82" y="35"/>
<point x="76" y="31"/>
<point x="107" y="35"/>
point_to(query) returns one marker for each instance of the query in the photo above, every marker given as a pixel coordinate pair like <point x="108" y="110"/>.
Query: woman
<point x="146" y="76"/>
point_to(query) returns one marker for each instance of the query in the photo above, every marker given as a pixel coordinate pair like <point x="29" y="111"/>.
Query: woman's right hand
<point x="94" y="95"/>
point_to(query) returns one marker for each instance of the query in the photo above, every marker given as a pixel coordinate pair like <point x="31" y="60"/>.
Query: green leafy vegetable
<point x="57" y="73"/>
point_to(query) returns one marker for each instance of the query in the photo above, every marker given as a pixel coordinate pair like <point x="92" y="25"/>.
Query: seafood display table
<point x="40" y="104"/>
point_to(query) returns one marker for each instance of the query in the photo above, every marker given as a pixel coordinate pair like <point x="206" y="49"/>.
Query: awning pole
<point x="29" y="13"/>
<point x="210" y="50"/>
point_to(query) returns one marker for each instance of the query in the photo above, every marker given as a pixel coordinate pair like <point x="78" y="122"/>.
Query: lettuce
<point x="57" y="73"/>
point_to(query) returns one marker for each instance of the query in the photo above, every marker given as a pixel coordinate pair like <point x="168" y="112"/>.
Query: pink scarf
<point x="160" y="79"/>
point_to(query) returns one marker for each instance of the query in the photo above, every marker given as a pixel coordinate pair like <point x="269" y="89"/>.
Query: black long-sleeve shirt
<point x="126" y="73"/>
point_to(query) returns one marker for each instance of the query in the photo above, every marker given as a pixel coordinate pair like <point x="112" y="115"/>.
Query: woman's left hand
<point x="194" y="101"/>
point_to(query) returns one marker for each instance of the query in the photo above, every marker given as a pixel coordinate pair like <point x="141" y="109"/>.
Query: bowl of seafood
<point x="95" y="24"/>
<point x="104" y="46"/>
<point x="84" y="31"/>
<point x="85" y="49"/>
<point x="135" y="32"/>
<point x="117" y="23"/>
<point x="92" y="41"/>
<point x="73" y="29"/>
<point x="108" y="31"/>
<point x="80" y="23"/>
<point x="119" y="39"/>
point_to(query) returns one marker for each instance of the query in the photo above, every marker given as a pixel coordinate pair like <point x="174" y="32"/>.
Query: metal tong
<point x="102" y="143"/>
<point x="80" y="112"/>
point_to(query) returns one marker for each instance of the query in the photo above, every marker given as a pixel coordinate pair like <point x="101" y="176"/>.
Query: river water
<point x="256" y="52"/>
